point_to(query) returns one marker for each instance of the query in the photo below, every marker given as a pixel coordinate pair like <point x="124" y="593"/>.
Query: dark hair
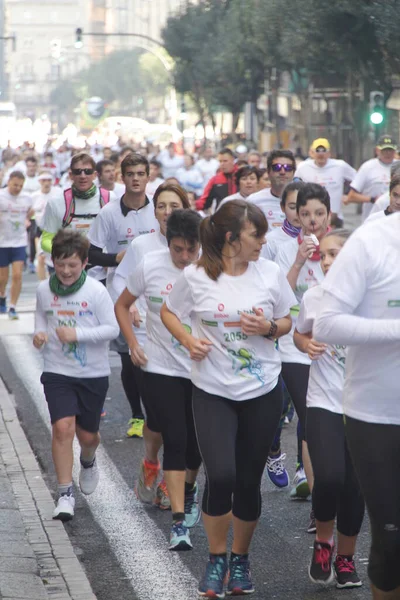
<point x="244" y="172"/>
<point x="231" y="217"/>
<point x="133" y="160"/>
<point x="114" y="158"/>
<point x="31" y="159"/>
<point x="127" y="149"/>
<point x="156" y="163"/>
<point x="395" y="180"/>
<point x="48" y="154"/>
<point x="184" y="224"/>
<point x="17" y="175"/>
<point x="226" y="151"/>
<point x="190" y="156"/>
<point x="176" y="189"/>
<point x="288" y="154"/>
<point x="313" y="191"/>
<point x="103" y="163"/>
<point x="293" y="186"/>
<point x="241" y="163"/>
<point x="84" y="158"/>
<point x="67" y="242"/>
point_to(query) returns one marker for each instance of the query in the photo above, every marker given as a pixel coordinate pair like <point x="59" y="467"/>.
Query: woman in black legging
<point x="238" y="306"/>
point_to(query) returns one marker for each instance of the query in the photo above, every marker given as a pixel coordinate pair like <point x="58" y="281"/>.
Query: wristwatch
<point x="272" y="330"/>
<point x="372" y="199"/>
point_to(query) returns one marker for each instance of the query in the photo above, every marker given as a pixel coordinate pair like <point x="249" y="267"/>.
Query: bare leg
<point x="63" y="436"/>
<point x="88" y="442"/>
<point x="346" y="544"/>
<point x="379" y="595"/>
<point x="17" y="268"/>
<point x="217" y="529"/>
<point x="325" y="530"/>
<point x="191" y="476"/>
<point x="4" y="273"/>
<point x="242" y="534"/>
<point x="152" y="444"/>
<point x="175" y="481"/>
<point x="41" y="267"/>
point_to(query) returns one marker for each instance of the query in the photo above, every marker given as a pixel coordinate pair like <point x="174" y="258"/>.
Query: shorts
<point x="10" y="255"/>
<point x="82" y="398"/>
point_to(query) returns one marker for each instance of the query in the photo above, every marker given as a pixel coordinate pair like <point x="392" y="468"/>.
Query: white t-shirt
<point x="90" y="310"/>
<point x="365" y="280"/>
<point x="275" y="238"/>
<point x="238" y="367"/>
<point x="40" y="201"/>
<point x="152" y="186"/>
<point x="325" y="385"/>
<point x="190" y="179"/>
<point x="381" y="203"/>
<point x="332" y="177"/>
<point x="154" y="278"/>
<point x="372" y="179"/>
<point x="310" y="275"/>
<point x="376" y="216"/>
<point x="31" y="184"/>
<point x="119" y="190"/>
<point x="270" y="205"/>
<point x="207" y="168"/>
<point x="115" y="227"/>
<point x="237" y="196"/>
<point x="13" y="211"/>
<point x="170" y="165"/>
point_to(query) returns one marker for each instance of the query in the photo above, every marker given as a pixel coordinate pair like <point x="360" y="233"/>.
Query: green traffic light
<point x="376" y="117"/>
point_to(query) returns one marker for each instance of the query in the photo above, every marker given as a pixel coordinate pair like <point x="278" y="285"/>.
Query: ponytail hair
<point x="230" y="218"/>
<point x="343" y="234"/>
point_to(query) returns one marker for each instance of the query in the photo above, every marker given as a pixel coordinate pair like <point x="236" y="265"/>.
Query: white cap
<point x="45" y="175"/>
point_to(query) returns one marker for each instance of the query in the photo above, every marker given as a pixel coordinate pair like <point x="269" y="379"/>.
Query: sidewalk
<point x="37" y="561"/>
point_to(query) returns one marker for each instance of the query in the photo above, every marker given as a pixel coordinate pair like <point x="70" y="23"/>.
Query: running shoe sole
<point x="64" y="517"/>
<point x="318" y="581"/>
<point x="240" y="592"/>
<point x="211" y="594"/>
<point x="181" y="547"/>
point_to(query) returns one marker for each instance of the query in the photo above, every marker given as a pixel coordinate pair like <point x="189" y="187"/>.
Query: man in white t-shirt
<point x="31" y="175"/>
<point x="383" y="201"/>
<point x="170" y="161"/>
<point x="329" y="172"/>
<point x="106" y="176"/>
<point x="281" y="166"/>
<point x="373" y="177"/>
<point x="208" y="165"/>
<point x="155" y="178"/>
<point x="15" y="212"/>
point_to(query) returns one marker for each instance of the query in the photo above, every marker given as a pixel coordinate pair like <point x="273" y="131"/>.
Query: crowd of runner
<point x="231" y="291"/>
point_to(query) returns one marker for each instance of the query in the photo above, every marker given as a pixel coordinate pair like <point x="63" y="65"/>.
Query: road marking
<point x="138" y="544"/>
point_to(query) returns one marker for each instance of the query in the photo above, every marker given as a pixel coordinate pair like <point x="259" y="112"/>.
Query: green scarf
<point x="92" y="191"/>
<point x="60" y="290"/>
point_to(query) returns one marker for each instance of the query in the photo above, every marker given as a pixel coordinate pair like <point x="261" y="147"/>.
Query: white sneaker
<point x="89" y="478"/>
<point x="64" y="511"/>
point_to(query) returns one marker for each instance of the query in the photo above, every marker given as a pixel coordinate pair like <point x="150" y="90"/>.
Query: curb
<point x="59" y="568"/>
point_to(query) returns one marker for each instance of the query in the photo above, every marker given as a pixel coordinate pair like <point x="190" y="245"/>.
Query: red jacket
<point x="219" y="187"/>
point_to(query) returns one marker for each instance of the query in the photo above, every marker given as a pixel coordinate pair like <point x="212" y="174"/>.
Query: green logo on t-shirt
<point x="155" y="299"/>
<point x="210" y="323"/>
<point x="393" y="303"/>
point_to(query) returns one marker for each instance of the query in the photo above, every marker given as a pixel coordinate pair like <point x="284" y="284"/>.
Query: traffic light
<point x="78" y="41"/>
<point x="376" y="108"/>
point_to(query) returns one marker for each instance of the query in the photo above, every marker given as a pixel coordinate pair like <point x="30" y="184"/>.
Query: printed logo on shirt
<point x="393" y="303"/>
<point x="147" y="231"/>
<point x="55" y="303"/>
<point x="310" y="272"/>
<point x="155" y="299"/>
<point x="168" y="288"/>
<point x="85" y="313"/>
<point x="73" y="303"/>
<point x="221" y="307"/>
<point x="84" y="304"/>
<point x="210" y="323"/>
<point x="66" y="313"/>
<point x="49" y="313"/>
<point x="221" y="314"/>
<point x="122" y="242"/>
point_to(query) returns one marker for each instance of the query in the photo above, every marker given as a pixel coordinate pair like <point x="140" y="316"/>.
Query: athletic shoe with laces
<point x="89" y="478"/>
<point x="346" y="574"/>
<point x="215" y="578"/>
<point x="32" y="268"/>
<point x="320" y="569"/>
<point x="3" y="306"/>
<point x="192" y="510"/>
<point x="162" y="496"/>
<point x="13" y="315"/>
<point x="312" y="527"/>
<point x="64" y="511"/>
<point x="276" y="471"/>
<point x="135" y="428"/>
<point x="179" y="539"/>
<point x="300" y="490"/>
<point x="147" y="483"/>
<point x="239" y="583"/>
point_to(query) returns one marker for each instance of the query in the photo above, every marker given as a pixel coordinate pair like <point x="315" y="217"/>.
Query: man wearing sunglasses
<point x="82" y="203"/>
<point x="280" y="167"/>
<point x="329" y="172"/>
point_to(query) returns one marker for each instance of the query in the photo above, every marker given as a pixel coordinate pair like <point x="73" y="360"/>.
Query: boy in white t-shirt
<point x="74" y="322"/>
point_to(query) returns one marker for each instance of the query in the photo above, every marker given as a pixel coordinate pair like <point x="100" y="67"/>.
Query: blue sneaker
<point x="3" y="306"/>
<point x="300" y="490"/>
<point x="192" y="510"/>
<point x="179" y="539"/>
<point x="276" y="471"/>
<point x="240" y="583"/>
<point x="13" y="315"/>
<point x="216" y="576"/>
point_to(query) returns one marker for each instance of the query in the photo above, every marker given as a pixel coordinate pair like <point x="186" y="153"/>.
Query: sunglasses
<point x="80" y="171"/>
<point x="279" y="166"/>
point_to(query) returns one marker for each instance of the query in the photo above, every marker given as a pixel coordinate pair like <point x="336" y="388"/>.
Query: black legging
<point x="295" y="376"/>
<point x="168" y="403"/>
<point x="336" y="490"/>
<point x="375" y="450"/>
<point x="132" y="382"/>
<point x="234" y="440"/>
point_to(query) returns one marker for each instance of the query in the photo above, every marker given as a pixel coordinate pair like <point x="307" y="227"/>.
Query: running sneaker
<point x="103" y="414"/>
<point x="13" y="315"/>
<point x="135" y="428"/>
<point x="64" y="511"/>
<point x="179" y="539"/>
<point x="32" y="268"/>
<point x="346" y="574"/>
<point x="216" y="576"/>
<point x="239" y="583"/>
<point x="276" y="471"/>
<point x="3" y="306"/>
<point x="320" y="569"/>
<point x="89" y="478"/>
<point x="147" y="483"/>
<point x="300" y="490"/>
<point x="312" y="527"/>
<point x="162" y="497"/>
<point x="192" y="510"/>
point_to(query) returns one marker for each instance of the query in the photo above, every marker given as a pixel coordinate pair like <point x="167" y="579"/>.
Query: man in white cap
<point x="329" y="172"/>
<point x="373" y="177"/>
<point x="40" y="199"/>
